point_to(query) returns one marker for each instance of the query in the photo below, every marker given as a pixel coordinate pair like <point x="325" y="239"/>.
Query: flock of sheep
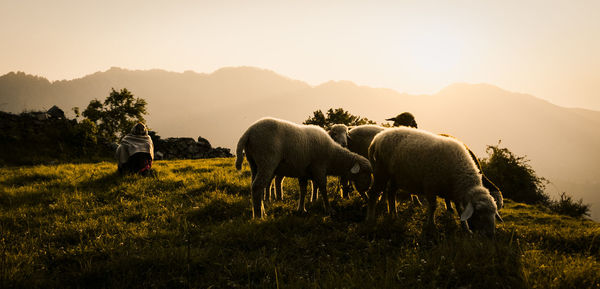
<point x="376" y="160"/>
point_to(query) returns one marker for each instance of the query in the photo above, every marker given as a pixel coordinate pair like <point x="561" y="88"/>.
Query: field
<point x="84" y="226"/>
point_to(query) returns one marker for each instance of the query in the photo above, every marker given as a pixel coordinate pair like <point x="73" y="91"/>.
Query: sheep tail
<point x="372" y="153"/>
<point x="240" y="151"/>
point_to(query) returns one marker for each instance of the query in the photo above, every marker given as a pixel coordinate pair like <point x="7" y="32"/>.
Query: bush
<point x="514" y="176"/>
<point x="337" y="116"/>
<point x="567" y="206"/>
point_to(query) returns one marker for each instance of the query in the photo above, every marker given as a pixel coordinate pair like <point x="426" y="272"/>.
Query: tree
<point x="337" y="116"/>
<point x="117" y="114"/>
<point x="515" y="177"/>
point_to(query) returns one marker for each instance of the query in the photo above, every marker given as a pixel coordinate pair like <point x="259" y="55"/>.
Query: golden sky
<point x="546" y="48"/>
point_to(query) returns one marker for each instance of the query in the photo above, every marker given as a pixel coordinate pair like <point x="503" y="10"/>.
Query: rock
<point x="187" y="148"/>
<point x="204" y="142"/>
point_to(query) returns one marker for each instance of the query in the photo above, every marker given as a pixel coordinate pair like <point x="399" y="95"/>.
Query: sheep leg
<point x="278" y="191"/>
<point x="302" y="182"/>
<point x="346" y="187"/>
<point x="415" y="200"/>
<point x="261" y="181"/>
<point x="321" y="183"/>
<point x="267" y="193"/>
<point x="431" y="199"/>
<point x="314" y="192"/>
<point x="257" y="193"/>
<point x="448" y="205"/>
<point x="391" y="194"/>
<point x="374" y="192"/>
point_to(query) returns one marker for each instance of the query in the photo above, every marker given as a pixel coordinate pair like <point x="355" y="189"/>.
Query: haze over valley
<point x="560" y="142"/>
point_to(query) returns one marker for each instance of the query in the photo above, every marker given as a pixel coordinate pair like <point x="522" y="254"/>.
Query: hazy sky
<point x="546" y="48"/>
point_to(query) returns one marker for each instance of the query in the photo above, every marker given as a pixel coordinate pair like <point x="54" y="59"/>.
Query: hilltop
<point x="73" y="226"/>
<point x="561" y="142"/>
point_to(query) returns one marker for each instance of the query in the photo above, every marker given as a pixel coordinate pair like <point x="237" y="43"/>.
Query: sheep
<point x="359" y="138"/>
<point x="407" y="119"/>
<point x="404" y="119"/>
<point x="339" y="133"/>
<point x="487" y="183"/>
<point x="278" y="147"/>
<point x="433" y="165"/>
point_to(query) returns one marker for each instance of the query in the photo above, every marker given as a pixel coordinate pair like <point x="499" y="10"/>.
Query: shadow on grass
<point x="104" y="182"/>
<point x="26" y="199"/>
<point x="218" y="210"/>
<point x="24" y="180"/>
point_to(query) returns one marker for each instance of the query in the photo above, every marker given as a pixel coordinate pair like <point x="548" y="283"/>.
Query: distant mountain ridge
<point x="562" y="143"/>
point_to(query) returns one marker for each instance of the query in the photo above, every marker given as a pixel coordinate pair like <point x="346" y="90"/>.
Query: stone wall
<point x="187" y="148"/>
<point x="48" y="137"/>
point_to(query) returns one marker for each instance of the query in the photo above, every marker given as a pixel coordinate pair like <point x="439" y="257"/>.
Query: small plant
<point x="567" y="206"/>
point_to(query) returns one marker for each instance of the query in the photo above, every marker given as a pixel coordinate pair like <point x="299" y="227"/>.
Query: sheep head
<point x="339" y="133"/>
<point x="480" y="212"/>
<point x="360" y="174"/>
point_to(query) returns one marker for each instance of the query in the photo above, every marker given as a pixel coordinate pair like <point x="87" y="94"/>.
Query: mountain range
<point x="561" y="143"/>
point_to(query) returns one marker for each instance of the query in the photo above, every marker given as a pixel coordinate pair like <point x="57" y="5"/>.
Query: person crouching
<point x="136" y="151"/>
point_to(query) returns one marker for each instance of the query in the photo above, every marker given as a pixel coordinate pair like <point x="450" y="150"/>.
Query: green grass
<point x="73" y="226"/>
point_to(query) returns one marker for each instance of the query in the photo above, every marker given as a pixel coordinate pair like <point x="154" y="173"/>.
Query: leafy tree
<point x="337" y="116"/>
<point x="117" y="114"/>
<point x="515" y="177"/>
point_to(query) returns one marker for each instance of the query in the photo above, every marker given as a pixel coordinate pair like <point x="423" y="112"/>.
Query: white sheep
<point x="339" y="133"/>
<point x="278" y="147"/>
<point x="359" y="139"/>
<point x="422" y="162"/>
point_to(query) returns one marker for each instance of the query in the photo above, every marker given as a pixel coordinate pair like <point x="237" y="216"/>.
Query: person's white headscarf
<point x="136" y="141"/>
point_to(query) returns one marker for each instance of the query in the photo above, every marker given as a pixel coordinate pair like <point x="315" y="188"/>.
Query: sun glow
<point x="436" y="52"/>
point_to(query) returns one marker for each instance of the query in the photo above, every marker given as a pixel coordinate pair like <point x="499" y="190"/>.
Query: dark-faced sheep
<point x="432" y="165"/>
<point x="277" y="147"/>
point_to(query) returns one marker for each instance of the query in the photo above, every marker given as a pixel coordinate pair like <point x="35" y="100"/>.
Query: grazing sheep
<point x="339" y="133"/>
<point x="282" y="148"/>
<point x="494" y="190"/>
<point x="359" y="139"/>
<point x="419" y="161"/>
<point x="407" y="119"/>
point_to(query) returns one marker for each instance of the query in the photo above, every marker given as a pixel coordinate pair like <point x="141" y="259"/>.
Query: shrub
<point x="567" y="206"/>
<point x="515" y="177"/>
<point x="337" y="116"/>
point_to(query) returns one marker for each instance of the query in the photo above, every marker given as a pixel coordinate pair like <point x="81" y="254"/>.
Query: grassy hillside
<point x="82" y="225"/>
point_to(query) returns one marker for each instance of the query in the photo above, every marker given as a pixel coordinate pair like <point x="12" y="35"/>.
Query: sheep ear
<point x="355" y="169"/>
<point x="468" y="212"/>
<point x="498" y="217"/>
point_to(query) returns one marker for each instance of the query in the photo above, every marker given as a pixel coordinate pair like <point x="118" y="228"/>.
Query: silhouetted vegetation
<point x="336" y="116"/>
<point x="515" y="177"/>
<point x="37" y="137"/>
<point x="117" y="114"/>
<point x="567" y="206"/>
<point x="519" y="182"/>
